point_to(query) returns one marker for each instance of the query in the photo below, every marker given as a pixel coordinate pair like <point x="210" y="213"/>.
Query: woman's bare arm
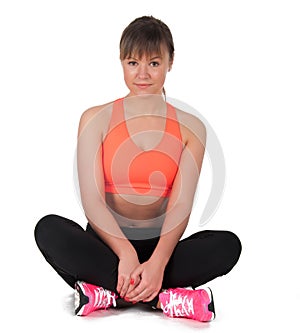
<point x="182" y="196"/>
<point x="91" y="181"/>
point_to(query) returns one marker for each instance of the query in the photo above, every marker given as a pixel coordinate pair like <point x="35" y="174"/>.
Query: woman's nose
<point x="143" y="72"/>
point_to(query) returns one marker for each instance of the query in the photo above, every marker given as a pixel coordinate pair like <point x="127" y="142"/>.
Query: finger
<point x="135" y="279"/>
<point x="120" y="283"/>
<point x="150" y="298"/>
<point x="124" y="287"/>
<point x="129" y="289"/>
<point x="136" y="291"/>
<point x="137" y="272"/>
<point x="139" y="294"/>
<point x="132" y="285"/>
<point x="138" y="286"/>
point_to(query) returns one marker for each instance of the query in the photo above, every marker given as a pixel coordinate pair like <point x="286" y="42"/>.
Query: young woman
<point x="139" y="160"/>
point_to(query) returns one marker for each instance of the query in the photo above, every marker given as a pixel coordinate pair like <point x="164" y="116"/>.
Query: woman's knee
<point x="232" y="247"/>
<point x="45" y="227"/>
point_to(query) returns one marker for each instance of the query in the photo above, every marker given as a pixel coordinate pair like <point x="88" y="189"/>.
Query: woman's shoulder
<point x="190" y="122"/>
<point x="99" y="115"/>
<point x="95" y="110"/>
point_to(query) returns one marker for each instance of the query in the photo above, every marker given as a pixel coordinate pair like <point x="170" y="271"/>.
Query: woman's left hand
<point x="150" y="276"/>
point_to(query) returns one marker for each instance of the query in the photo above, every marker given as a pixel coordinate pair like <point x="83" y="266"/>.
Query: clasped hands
<point x="139" y="282"/>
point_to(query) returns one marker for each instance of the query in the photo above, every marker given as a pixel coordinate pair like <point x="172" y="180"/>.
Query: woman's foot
<point x="194" y="304"/>
<point x="89" y="298"/>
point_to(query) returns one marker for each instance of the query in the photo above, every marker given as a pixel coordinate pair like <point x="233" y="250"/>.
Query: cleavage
<point x="146" y="132"/>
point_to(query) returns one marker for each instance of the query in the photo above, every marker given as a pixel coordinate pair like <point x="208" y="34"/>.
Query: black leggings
<point x="78" y="254"/>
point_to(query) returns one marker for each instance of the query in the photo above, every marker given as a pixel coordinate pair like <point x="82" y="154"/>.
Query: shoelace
<point x="179" y="305"/>
<point x="104" y="298"/>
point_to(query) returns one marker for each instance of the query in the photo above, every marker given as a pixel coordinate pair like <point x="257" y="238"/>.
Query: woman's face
<point x="147" y="74"/>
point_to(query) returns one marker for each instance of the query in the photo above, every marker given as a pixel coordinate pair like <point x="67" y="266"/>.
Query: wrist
<point x="126" y="250"/>
<point x="160" y="258"/>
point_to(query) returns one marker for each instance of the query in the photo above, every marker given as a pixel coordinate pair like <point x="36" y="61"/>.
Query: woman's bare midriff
<point x="137" y="211"/>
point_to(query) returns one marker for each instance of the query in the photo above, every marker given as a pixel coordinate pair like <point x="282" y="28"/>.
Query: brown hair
<point x="146" y="35"/>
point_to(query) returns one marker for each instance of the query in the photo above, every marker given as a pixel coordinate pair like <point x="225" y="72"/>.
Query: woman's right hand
<point x="127" y="264"/>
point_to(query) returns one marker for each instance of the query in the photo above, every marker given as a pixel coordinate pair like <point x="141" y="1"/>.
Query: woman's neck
<point x="144" y="104"/>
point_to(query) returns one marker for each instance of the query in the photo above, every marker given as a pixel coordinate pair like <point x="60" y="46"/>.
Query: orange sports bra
<point x="128" y="169"/>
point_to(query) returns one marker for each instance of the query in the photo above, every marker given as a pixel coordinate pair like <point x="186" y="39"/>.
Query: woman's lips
<point x="142" y="85"/>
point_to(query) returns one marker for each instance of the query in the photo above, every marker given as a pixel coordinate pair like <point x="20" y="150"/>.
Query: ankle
<point x="158" y="305"/>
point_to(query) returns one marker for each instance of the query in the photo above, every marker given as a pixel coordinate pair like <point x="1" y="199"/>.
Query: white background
<point x="237" y="62"/>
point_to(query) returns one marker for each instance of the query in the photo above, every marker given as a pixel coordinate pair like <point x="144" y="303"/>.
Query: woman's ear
<point x="171" y="63"/>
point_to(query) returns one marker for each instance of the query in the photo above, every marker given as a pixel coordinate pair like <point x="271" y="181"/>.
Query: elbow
<point x="92" y="206"/>
<point x="182" y="210"/>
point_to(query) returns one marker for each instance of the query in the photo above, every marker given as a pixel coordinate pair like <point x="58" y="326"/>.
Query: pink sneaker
<point x="89" y="298"/>
<point x="194" y="304"/>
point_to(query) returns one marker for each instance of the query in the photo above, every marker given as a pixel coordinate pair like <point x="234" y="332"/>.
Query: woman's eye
<point x="154" y="64"/>
<point x="132" y="63"/>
